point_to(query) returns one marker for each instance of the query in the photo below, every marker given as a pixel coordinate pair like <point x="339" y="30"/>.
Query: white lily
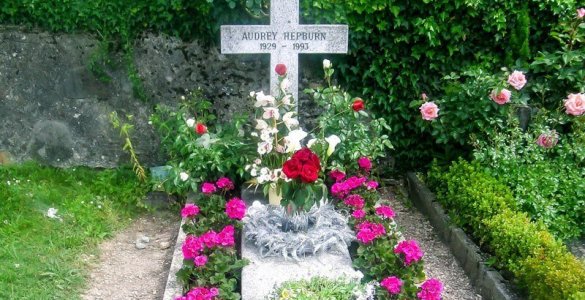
<point x="292" y="142"/>
<point x="289" y="121"/>
<point x="333" y="141"/>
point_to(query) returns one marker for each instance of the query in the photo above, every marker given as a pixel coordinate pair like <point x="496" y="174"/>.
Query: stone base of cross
<point x="284" y="39"/>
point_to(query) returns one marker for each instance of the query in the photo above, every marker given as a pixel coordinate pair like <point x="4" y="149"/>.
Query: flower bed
<point x="484" y="207"/>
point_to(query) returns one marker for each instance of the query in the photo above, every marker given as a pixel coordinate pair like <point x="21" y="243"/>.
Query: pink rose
<point x="429" y="111"/>
<point x="337" y="175"/>
<point x="575" y="104"/>
<point x="372" y="185"/>
<point x="547" y="140"/>
<point x="190" y="210"/>
<point x="208" y="188"/>
<point x="502" y="97"/>
<point x="392" y="284"/>
<point x="581" y="13"/>
<point x="517" y="80"/>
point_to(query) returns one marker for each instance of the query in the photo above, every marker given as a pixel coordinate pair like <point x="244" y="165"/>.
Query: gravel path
<point x="439" y="262"/>
<point x="135" y="263"/>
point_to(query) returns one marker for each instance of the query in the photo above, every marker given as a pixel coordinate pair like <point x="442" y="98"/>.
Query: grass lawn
<point x="42" y="257"/>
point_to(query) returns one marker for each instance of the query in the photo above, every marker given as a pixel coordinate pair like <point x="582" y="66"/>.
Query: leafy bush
<point x="511" y="236"/>
<point x="199" y="155"/>
<point x="552" y="274"/>
<point x="547" y="183"/>
<point x="464" y="188"/>
<point x="320" y="288"/>
<point x="413" y="51"/>
<point x="540" y="264"/>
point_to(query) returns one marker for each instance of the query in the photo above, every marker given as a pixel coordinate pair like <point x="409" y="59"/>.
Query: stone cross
<point x="284" y="39"/>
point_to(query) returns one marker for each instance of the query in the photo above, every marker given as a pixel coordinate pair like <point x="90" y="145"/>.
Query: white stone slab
<point x="284" y="39"/>
<point x="261" y="275"/>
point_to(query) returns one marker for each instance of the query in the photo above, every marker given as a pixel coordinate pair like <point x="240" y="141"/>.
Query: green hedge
<point x="541" y="265"/>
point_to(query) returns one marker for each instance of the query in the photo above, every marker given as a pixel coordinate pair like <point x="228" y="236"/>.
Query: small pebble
<point x="145" y="239"/>
<point x="140" y="245"/>
<point x="164" y="245"/>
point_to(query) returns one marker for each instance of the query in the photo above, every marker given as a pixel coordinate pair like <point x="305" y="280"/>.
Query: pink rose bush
<point x="365" y="163"/>
<point x="429" y="111"/>
<point x="225" y="183"/>
<point x="502" y="97"/>
<point x="580" y="13"/>
<point x="208" y="188"/>
<point x="517" y="80"/>
<point x="575" y="104"/>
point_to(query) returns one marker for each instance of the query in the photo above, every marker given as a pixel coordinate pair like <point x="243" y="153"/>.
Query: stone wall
<point x="55" y="110"/>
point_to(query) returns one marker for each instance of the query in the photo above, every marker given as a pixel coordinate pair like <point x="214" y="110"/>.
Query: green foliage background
<point x="398" y="49"/>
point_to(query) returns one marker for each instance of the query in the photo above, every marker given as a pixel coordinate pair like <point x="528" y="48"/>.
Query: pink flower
<point x="191" y="247"/>
<point x="581" y="13"/>
<point x="235" y="208"/>
<point x="355" y="182"/>
<point x="372" y="185"/>
<point x="200" y="260"/>
<point x="429" y="111"/>
<point x="517" y="80"/>
<point x="190" y="210"/>
<point x="355" y="201"/>
<point x="367" y="232"/>
<point x="385" y="212"/>
<point x="209" y="239"/>
<point x="200" y="293"/>
<point x="502" y="97"/>
<point x="225" y="183"/>
<point x="430" y="290"/>
<point x="365" y="163"/>
<point x="424" y="96"/>
<point x="410" y="250"/>
<point x="392" y="284"/>
<point x="547" y="140"/>
<point x="337" y="175"/>
<point x="208" y="188"/>
<point x="575" y="104"/>
<point x="225" y="237"/>
<point x="358" y="214"/>
<point x="280" y="69"/>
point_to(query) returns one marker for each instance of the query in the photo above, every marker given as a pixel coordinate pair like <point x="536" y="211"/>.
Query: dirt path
<point x="439" y="261"/>
<point x="124" y="271"/>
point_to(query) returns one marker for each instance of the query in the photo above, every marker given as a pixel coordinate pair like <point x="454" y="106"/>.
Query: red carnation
<point x="200" y="128"/>
<point x="291" y="168"/>
<point x="358" y="104"/>
<point x="280" y="69"/>
<point x="309" y="174"/>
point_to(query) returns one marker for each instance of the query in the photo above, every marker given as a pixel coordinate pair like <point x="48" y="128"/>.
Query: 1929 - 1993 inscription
<point x="300" y="39"/>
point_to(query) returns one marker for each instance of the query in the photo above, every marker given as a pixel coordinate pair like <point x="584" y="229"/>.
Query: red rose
<point x="306" y="156"/>
<point x="200" y="128"/>
<point x="291" y="168"/>
<point x="280" y="69"/>
<point x="309" y="174"/>
<point x="358" y="104"/>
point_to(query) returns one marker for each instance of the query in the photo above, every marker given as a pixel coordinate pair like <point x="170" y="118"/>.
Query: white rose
<point x="184" y="176"/>
<point x="326" y="64"/>
<point x="333" y="141"/>
<point x="190" y="122"/>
